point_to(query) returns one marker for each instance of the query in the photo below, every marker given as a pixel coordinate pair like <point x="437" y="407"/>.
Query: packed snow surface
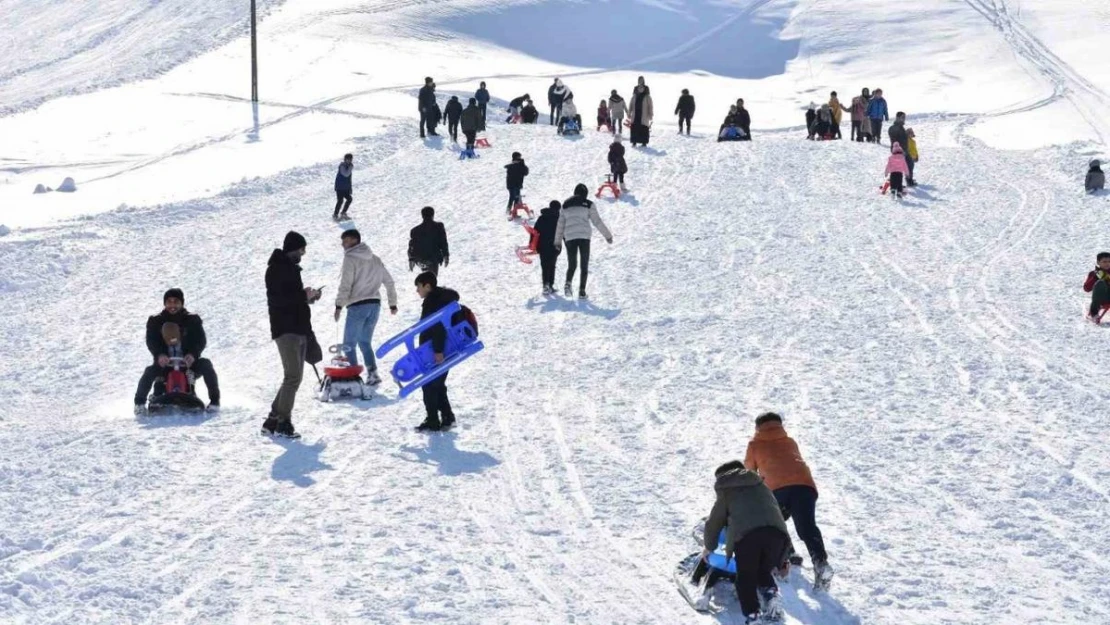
<point x="929" y="355"/>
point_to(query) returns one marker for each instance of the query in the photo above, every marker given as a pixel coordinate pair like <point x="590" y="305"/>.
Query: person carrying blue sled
<point x="440" y="416"/>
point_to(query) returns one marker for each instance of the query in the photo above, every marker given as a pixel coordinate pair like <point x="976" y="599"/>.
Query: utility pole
<point x="254" y="54"/>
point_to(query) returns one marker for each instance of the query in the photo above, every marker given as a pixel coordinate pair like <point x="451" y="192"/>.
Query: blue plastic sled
<point x="418" y="367"/>
<point x="718" y="560"/>
<point x="467" y="153"/>
<point x="731" y="133"/>
<point x="571" y="127"/>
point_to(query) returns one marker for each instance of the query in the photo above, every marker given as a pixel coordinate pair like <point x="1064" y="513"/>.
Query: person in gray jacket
<point x="360" y="292"/>
<point x="576" y="223"/>
<point x="1096" y="180"/>
<point x="617" y="109"/>
<point x="757" y="537"/>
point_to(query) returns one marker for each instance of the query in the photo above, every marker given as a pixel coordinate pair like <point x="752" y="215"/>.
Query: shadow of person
<point x="172" y="418"/>
<point x="448" y="459"/>
<point x="650" y="151"/>
<point x="551" y="304"/>
<point x="298" y="462"/>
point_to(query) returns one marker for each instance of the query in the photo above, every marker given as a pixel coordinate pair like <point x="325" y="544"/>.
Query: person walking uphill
<point x="555" y="95"/>
<point x="428" y="243"/>
<point x="343" y="187"/>
<point x="776" y="458"/>
<point x="471" y="121"/>
<point x="877" y="113"/>
<point x="514" y="179"/>
<point x="436" y="404"/>
<point x="898" y="135"/>
<point x="482" y="96"/>
<point x="546" y="225"/>
<point x="685" y="110"/>
<point x="641" y="112"/>
<point x="453" y="111"/>
<point x="617" y="165"/>
<point x="291" y="328"/>
<point x="756" y="536"/>
<point x="424" y="103"/>
<point x="577" y="220"/>
<point x="360" y="292"/>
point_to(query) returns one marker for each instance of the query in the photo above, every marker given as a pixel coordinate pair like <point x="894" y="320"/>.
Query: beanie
<point x="581" y="190"/>
<point x="473" y="102"/>
<point x="293" y="242"/>
<point x="555" y="205"/>
<point x="351" y="233"/>
<point x="766" y="417"/>
<point x="178" y="293"/>
<point x="516" y="155"/>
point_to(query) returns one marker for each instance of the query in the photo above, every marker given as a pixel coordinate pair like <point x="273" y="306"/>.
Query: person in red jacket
<point x="775" y="456"/>
<point x="1098" y="285"/>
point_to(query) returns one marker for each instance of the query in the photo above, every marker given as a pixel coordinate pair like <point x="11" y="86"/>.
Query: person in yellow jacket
<point x="911" y="144"/>
<point x="837" y="110"/>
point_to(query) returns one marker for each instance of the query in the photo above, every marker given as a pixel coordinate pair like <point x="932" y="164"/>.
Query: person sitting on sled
<point x="897" y="169"/>
<point x="1098" y="285"/>
<point x="603" y="118"/>
<point x="756" y="537"/>
<point x="193" y="341"/>
<point x="570" y="112"/>
<point x="732" y="121"/>
<point x="529" y="114"/>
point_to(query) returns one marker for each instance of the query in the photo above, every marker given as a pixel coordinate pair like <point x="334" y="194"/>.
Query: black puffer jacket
<point x="546" y="225"/>
<point x="453" y="110"/>
<point x="514" y="174"/>
<point x="193" y="339"/>
<point x="428" y="243"/>
<point x="285" y="297"/>
<point x="437" y="299"/>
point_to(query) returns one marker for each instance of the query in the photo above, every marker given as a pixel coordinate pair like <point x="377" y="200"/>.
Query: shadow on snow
<point x="442" y="453"/>
<point x="298" y="462"/>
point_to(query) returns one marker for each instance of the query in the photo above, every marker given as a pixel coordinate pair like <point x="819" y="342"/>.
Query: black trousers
<point x="342" y="202"/>
<point x="202" y="367"/>
<point x="757" y="554"/>
<point x="618" y="177"/>
<point x="423" y="122"/>
<point x="876" y="130"/>
<point x="556" y="112"/>
<point x="857" y="130"/>
<point x="575" y="249"/>
<point x="1100" y="296"/>
<point x="470" y="134"/>
<point x="453" y="128"/>
<point x="482" y="107"/>
<point x="435" y="400"/>
<point x="800" y="502"/>
<point x="548" y="261"/>
<point x="432" y="267"/>
<point x="836" y="130"/>
<point x="684" y="118"/>
<point x="896" y="182"/>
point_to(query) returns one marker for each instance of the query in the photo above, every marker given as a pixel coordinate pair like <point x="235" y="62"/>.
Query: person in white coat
<point x="569" y="112"/>
<point x="360" y="286"/>
<point x="577" y="220"/>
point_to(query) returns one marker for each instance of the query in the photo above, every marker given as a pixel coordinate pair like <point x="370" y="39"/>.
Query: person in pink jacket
<point x="897" y="169"/>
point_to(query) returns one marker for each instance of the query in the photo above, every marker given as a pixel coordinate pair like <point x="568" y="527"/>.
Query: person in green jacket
<point x="757" y="537"/>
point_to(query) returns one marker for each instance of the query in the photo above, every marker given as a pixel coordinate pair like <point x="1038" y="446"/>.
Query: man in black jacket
<point x="193" y="342"/>
<point x="744" y="120"/>
<point x="424" y="103"/>
<point x="546" y="225"/>
<point x="471" y="122"/>
<point x="897" y="134"/>
<point x="290" y="326"/>
<point x="428" y="243"/>
<point x="514" y="179"/>
<point x="685" y="110"/>
<point x="440" y="416"/>
<point x="453" y="111"/>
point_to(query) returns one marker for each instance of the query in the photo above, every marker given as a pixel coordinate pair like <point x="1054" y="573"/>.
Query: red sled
<point x="628" y="123"/>
<point x="519" y="208"/>
<point x="609" y="184"/>
<point x="608" y="128"/>
<point x="886" y="187"/>
<point x="1097" y="319"/>
<point x="526" y="252"/>
<point x="515" y="119"/>
<point x="482" y="143"/>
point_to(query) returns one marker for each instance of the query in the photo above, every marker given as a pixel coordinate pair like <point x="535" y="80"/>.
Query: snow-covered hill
<point x="930" y="356"/>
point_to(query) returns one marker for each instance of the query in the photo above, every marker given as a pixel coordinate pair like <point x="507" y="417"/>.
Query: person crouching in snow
<point x="603" y="115"/>
<point x="1098" y="285"/>
<point x="529" y="114"/>
<point x="617" y="165"/>
<point x="515" y="106"/>
<point x="897" y="169"/>
<point x="569" y="113"/>
<point x="546" y="225"/>
<point x="1096" y="180"/>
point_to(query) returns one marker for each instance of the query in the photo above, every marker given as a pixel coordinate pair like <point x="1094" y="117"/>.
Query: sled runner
<point x="520" y="207"/>
<point x="525" y="252"/>
<point x="481" y="142"/>
<point x="342" y="379"/>
<point x="418" y="366"/>
<point x="609" y="184"/>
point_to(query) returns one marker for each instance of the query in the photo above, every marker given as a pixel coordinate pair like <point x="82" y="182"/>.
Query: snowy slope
<point x="930" y="357"/>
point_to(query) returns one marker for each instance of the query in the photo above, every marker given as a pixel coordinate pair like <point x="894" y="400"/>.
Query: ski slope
<point x="930" y="356"/>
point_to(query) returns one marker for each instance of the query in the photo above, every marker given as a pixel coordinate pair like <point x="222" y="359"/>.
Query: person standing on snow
<point x="685" y="110"/>
<point x="360" y="292"/>
<point x="546" y="226"/>
<point x="555" y="95"/>
<point x="453" y="110"/>
<point x="896" y="168"/>
<point x="428" y="243"/>
<point x="617" y="165"/>
<point x="641" y="113"/>
<point x="193" y="342"/>
<point x="776" y="458"/>
<point x="898" y="135"/>
<point x="514" y="179"/>
<point x="577" y="220"/>
<point x="291" y="328"/>
<point x="424" y="102"/>
<point x="482" y="96"/>
<point x="440" y="416"/>
<point x="877" y="113"/>
<point x="1095" y="180"/>
<point x="838" y="111"/>
<point x="529" y="114"/>
<point x="744" y="120"/>
<point x="343" y="187"/>
<point x="861" y="127"/>
<point x="617" y="110"/>
<point x="471" y="121"/>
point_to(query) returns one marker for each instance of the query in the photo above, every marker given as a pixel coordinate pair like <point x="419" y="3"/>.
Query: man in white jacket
<point x="360" y="292"/>
<point x="576" y="223"/>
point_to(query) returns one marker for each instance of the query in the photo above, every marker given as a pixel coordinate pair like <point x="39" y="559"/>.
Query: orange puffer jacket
<point x="775" y="456"/>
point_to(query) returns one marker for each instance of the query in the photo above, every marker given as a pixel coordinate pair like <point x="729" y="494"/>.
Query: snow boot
<point x="582" y="295"/>
<point x="213" y="406"/>
<point x="771" y="605"/>
<point x="286" y="430"/>
<point x="431" y="424"/>
<point x="822" y="574"/>
<point x="373" y="379"/>
<point x="140" y="409"/>
<point x="448" y="423"/>
<point x="269" y="426"/>
<point x="567" y="291"/>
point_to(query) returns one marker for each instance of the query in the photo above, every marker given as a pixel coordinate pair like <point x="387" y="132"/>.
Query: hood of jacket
<point x="549" y="211"/>
<point x="737" y="478"/>
<point x="1095" y="164"/>
<point x="770" y="432"/>
<point x="279" y="257"/>
<point x="616" y="98"/>
<point x="897" y="149"/>
<point x="360" y="251"/>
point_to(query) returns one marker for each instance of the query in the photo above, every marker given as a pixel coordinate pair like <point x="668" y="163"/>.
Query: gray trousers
<point x="291" y="348"/>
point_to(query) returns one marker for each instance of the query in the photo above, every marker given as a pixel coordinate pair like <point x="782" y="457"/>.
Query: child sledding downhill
<point x="1098" y="285"/>
<point x="570" y="122"/>
<point x="897" y="169"/>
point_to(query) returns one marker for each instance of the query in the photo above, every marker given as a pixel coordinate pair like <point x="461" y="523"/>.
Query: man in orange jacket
<point x="776" y="458"/>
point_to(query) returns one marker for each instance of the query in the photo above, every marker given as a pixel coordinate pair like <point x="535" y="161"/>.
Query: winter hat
<point x="581" y="191"/>
<point x="767" y="417"/>
<point x="617" y="139"/>
<point x="812" y="105"/>
<point x="293" y="242"/>
<point x="516" y="155"/>
<point x="685" y="92"/>
<point x="473" y="101"/>
<point x="554" y="205"/>
<point x="735" y="465"/>
<point x="1095" y="163"/>
<point x="897" y="148"/>
<point x="178" y="293"/>
<point x="613" y="92"/>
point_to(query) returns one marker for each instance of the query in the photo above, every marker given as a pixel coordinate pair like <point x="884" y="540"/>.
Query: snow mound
<point x="68" y="186"/>
<point x="41" y="188"/>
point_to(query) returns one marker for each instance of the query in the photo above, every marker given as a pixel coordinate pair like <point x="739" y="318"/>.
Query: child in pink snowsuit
<point x="897" y="169"/>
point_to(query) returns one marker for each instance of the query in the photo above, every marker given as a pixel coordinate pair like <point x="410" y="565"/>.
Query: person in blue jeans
<point x="360" y="284"/>
<point x="482" y="96"/>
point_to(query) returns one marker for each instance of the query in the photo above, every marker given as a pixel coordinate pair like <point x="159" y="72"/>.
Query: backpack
<point x="467" y="315"/>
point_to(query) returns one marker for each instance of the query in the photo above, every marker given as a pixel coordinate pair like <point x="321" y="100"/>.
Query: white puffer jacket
<point x="576" y="221"/>
<point x="569" y="109"/>
<point x="362" y="277"/>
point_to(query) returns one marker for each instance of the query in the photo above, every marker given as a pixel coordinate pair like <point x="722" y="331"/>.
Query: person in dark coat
<point x="685" y="110"/>
<point x="428" y="243"/>
<point x="471" y="121"/>
<point x="1095" y="180"/>
<point x="424" y="102"/>
<point x="897" y="134"/>
<point x="811" y="121"/>
<point x="555" y="95"/>
<point x="756" y="531"/>
<point x="617" y="165"/>
<point x="546" y="225"/>
<point x="436" y="403"/>
<point x="453" y="110"/>
<point x="482" y="96"/>
<point x="640" y="112"/>
<point x="193" y="342"/>
<point x="743" y="120"/>
<point x="291" y="328"/>
<point x="516" y="105"/>
<point x="435" y="116"/>
<point x="343" y="186"/>
<point x="514" y="179"/>
<point x="529" y="114"/>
